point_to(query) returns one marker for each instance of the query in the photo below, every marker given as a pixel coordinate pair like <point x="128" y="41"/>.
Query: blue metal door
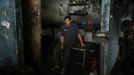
<point x="8" y="35"/>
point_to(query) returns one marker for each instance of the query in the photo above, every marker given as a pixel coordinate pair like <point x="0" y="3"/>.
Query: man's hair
<point x="67" y="17"/>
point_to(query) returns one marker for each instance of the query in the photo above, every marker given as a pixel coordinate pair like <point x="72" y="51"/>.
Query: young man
<point x="69" y="31"/>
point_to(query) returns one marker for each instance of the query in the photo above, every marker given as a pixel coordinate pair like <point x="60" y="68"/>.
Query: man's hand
<point x="81" y="41"/>
<point x="62" y="42"/>
<point x="82" y="44"/>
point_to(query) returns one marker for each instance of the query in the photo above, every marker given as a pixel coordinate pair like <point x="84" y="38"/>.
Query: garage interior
<point x="30" y="30"/>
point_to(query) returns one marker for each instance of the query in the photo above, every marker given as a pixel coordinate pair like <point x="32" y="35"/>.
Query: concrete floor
<point x="72" y="69"/>
<point x="120" y="67"/>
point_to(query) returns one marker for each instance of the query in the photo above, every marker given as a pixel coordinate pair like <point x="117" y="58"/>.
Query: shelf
<point x="78" y="3"/>
<point x="78" y="13"/>
<point x="78" y="8"/>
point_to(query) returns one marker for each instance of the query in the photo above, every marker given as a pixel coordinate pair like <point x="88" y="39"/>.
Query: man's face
<point x="67" y="21"/>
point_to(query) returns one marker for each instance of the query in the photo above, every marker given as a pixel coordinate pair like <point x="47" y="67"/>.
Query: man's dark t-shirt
<point x="69" y="33"/>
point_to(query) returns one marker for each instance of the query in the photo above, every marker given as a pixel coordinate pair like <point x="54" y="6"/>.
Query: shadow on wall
<point x="54" y="10"/>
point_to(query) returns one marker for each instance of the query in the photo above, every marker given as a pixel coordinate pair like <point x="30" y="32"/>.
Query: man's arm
<point x="80" y="39"/>
<point x="62" y="41"/>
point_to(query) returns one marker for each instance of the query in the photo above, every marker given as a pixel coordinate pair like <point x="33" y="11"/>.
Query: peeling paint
<point x="5" y="24"/>
<point x="3" y="13"/>
<point x="6" y="36"/>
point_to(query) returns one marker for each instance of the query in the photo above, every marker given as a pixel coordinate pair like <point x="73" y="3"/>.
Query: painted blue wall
<point x="8" y="36"/>
<point x="110" y="47"/>
<point x="113" y="47"/>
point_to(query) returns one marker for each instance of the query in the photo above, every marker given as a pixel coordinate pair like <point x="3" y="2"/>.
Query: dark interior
<point x="30" y="30"/>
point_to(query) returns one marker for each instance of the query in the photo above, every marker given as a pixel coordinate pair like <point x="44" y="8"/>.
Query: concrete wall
<point x="51" y="16"/>
<point x="32" y="31"/>
<point x="50" y="11"/>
